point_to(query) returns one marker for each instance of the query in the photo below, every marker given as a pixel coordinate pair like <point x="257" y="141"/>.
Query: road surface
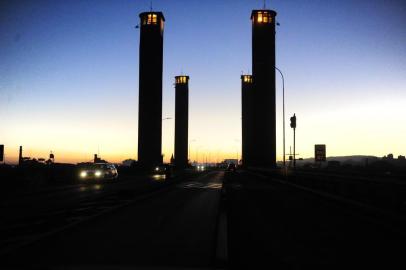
<point x="176" y="227"/>
<point x="235" y="220"/>
<point x="282" y="227"/>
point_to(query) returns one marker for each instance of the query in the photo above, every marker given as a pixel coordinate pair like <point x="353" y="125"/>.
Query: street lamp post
<point x="190" y="155"/>
<point x="237" y="152"/>
<point x="283" y="114"/>
<point x="163" y="119"/>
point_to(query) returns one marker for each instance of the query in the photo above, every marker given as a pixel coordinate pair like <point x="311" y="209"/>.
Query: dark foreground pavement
<point x="272" y="225"/>
<point x="254" y="222"/>
<point x="175" y="228"/>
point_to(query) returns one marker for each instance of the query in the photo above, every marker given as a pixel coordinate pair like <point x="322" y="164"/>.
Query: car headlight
<point x="98" y="173"/>
<point x="83" y="174"/>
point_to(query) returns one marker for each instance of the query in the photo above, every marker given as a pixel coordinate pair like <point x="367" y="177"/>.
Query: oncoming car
<point x="231" y="167"/>
<point x="163" y="169"/>
<point x="98" y="171"/>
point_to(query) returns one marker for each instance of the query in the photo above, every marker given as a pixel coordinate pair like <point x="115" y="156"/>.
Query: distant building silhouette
<point x="263" y="94"/>
<point x="181" y="120"/>
<point x="150" y="89"/>
<point x="128" y="162"/>
<point x="51" y="158"/>
<point x="231" y="161"/>
<point x="246" y="120"/>
<point x="98" y="159"/>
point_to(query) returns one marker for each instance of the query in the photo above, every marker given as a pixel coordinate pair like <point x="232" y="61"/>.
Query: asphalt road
<point x="247" y="219"/>
<point x="273" y="225"/>
<point x="176" y="227"/>
<point x="28" y="216"/>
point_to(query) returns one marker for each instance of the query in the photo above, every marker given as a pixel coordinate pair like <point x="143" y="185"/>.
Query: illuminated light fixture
<point x="151" y="19"/>
<point x="98" y="173"/>
<point x="263" y="17"/>
<point x="83" y="174"/>
<point x="157" y="169"/>
<point x="181" y="79"/>
<point x="259" y="18"/>
<point x="247" y="78"/>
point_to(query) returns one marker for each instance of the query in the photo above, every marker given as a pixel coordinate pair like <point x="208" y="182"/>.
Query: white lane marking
<point x="198" y="185"/>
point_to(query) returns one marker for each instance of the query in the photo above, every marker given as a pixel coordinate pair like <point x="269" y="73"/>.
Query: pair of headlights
<point x="83" y="174"/>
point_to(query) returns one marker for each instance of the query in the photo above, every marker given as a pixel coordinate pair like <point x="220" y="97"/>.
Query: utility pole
<point x="293" y="125"/>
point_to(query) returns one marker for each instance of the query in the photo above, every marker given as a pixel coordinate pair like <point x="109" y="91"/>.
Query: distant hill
<point x="354" y="159"/>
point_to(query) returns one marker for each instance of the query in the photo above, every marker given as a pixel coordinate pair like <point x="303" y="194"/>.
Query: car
<point x="98" y="171"/>
<point x="231" y="167"/>
<point x="163" y="169"/>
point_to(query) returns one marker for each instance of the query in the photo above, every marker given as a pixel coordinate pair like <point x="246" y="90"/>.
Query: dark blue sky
<point x="65" y="63"/>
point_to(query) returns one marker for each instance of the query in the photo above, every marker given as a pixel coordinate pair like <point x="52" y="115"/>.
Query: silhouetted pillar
<point x="246" y="120"/>
<point x="181" y="120"/>
<point x="263" y="72"/>
<point x="150" y="89"/>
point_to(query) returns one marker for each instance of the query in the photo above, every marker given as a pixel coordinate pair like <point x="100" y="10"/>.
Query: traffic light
<point x="293" y="121"/>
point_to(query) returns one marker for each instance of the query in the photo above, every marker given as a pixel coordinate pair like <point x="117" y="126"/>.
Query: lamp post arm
<point x="283" y="113"/>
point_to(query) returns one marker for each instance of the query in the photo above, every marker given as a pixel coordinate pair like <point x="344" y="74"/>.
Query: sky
<point x="69" y="76"/>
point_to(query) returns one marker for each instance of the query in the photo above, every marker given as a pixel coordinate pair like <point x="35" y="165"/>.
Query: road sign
<point x="320" y="152"/>
<point x="1" y="152"/>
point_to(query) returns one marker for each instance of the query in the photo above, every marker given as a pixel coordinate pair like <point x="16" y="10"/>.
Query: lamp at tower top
<point x="246" y="78"/>
<point x="263" y="16"/>
<point x="181" y="79"/>
<point x="152" y="18"/>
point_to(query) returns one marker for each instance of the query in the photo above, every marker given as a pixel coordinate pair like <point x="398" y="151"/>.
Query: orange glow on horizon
<point x="72" y="144"/>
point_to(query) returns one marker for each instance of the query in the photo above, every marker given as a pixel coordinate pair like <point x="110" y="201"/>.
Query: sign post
<point x="320" y="153"/>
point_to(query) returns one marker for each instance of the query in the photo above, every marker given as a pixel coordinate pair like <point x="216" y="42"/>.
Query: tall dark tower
<point x="181" y="120"/>
<point x="246" y="119"/>
<point x="150" y="89"/>
<point x="263" y="72"/>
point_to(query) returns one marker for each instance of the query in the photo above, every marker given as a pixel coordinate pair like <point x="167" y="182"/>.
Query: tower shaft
<point x="150" y="89"/>
<point x="246" y="120"/>
<point x="263" y="94"/>
<point x="181" y="120"/>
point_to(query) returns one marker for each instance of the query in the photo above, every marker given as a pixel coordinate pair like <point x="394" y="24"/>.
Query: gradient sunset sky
<point x="69" y="75"/>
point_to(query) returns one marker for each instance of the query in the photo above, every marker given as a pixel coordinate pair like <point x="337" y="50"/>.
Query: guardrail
<point x="379" y="192"/>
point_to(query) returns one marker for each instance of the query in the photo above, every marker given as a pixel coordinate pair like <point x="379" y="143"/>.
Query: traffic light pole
<point x="294" y="148"/>
<point x="293" y="125"/>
